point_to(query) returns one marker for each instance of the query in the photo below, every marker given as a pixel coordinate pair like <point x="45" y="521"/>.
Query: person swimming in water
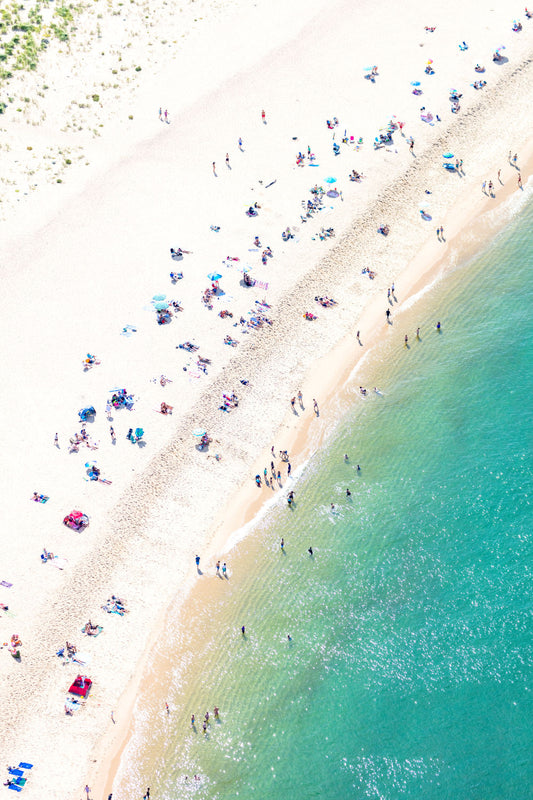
<point x="310" y="551"/>
<point x="348" y="493"/>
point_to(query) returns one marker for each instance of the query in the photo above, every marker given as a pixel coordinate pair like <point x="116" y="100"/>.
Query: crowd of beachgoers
<point x="215" y="362"/>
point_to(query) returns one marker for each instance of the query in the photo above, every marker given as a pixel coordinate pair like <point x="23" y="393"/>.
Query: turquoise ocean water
<point x="409" y="673"/>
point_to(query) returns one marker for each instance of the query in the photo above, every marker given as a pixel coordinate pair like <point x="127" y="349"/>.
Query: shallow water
<point x="409" y="669"/>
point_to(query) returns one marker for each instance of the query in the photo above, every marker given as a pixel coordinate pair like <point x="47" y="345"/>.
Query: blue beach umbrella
<point x="159" y="297"/>
<point x="214" y="276"/>
<point x="415" y="83"/>
<point x="447" y="155"/>
<point x="330" y="180"/>
<point x="160" y="305"/>
<point x="199" y="432"/>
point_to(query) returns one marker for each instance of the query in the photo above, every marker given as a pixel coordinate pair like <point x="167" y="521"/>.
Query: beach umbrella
<point x="159" y="297"/>
<point x="160" y="305"/>
<point x="139" y="433"/>
<point x="330" y="180"/>
<point x="198" y="432"/>
<point x="447" y="155"/>
<point x="214" y="276"/>
<point x="415" y="83"/>
<point x="368" y="69"/>
<point x="430" y="61"/>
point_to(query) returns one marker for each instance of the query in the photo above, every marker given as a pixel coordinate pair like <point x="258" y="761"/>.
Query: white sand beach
<point x="83" y="259"/>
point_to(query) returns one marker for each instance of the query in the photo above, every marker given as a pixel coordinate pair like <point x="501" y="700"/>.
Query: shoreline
<point x="132" y="543"/>
<point x="302" y="442"/>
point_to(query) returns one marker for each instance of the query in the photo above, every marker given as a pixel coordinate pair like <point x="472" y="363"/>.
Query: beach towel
<point x="6" y="584"/>
<point x="99" y="631"/>
<point x="17" y="772"/>
<point x="25" y="765"/>
<point x="15" y="787"/>
<point x="72" y="705"/>
<point x="261" y="285"/>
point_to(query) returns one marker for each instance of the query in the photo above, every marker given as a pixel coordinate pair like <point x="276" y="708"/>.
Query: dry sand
<point x="83" y="258"/>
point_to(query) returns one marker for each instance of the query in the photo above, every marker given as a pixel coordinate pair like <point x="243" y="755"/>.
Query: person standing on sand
<point x="418" y="334"/>
<point x="293" y="401"/>
<point x="197" y="559"/>
<point x="499" y="173"/>
<point x="218" y="567"/>
<point x="406" y="341"/>
<point x="160" y="112"/>
<point x="288" y="469"/>
<point x="166" y="115"/>
<point x="442" y="233"/>
<point x="227" y="160"/>
<point x="300" y="398"/>
<point x="438" y="234"/>
<point x="56" y="440"/>
<point x="263" y="116"/>
<point x="214" y="169"/>
<point x="240" y="143"/>
<point x="315" y="406"/>
<point x="519" y="181"/>
<point x="193" y="720"/>
<point x="387" y="314"/>
<point x="224" y="569"/>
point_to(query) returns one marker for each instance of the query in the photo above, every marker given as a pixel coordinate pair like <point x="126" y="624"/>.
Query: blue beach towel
<point x="15" y="787"/>
<point x="24" y="765"/>
<point x="17" y="772"/>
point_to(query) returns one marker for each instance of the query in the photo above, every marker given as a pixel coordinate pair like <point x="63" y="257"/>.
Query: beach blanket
<point x="18" y="772"/>
<point x="6" y="584"/>
<point x="98" y="632"/>
<point x="261" y="284"/>
<point x="72" y="705"/>
<point x="15" y="787"/>
<point x="24" y="765"/>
